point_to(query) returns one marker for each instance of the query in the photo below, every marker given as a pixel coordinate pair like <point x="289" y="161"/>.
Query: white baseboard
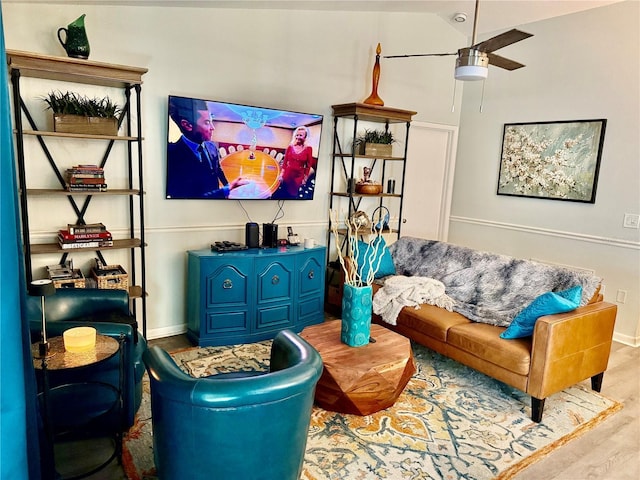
<point x="626" y="339"/>
<point x="166" y="331"/>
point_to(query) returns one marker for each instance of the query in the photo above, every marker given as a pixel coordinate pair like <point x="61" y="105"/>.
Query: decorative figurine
<point x="366" y="175"/>
<point x="374" y="99"/>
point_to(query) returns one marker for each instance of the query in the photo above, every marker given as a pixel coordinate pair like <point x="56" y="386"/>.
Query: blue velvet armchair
<point x="231" y="426"/>
<point x="106" y="310"/>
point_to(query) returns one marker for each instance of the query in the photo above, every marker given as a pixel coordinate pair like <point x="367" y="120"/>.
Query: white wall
<point x="304" y="61"/>
<point x="580" y="66"/>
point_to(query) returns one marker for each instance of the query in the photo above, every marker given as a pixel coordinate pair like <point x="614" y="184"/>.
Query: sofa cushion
<point x="380" y="258"/>
<point x="431" y="320"/>
<point x="546" y="304"/>
<point x="483" y="341"/>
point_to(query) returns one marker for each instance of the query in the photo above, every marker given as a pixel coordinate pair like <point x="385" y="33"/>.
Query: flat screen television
<point x="219" y="150"/>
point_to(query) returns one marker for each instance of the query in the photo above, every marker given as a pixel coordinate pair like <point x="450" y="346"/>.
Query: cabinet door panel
<point x="275" y="280"/>
<point x="271" y="317"/>
<point x="310" y="307"/>
<point x="227" y="285"/>
<point x="226" y="322"/>
<point x="311" y="273"/>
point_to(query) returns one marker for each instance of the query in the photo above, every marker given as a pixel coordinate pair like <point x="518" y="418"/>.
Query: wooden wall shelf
<point x="74" y="70"/>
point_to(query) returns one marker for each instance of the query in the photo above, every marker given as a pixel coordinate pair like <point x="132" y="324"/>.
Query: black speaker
<point x="252" y="235"/>
<point x="270" y="235"/>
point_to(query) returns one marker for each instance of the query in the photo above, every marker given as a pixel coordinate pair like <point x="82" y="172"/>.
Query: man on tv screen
<point x="193" y="161"/>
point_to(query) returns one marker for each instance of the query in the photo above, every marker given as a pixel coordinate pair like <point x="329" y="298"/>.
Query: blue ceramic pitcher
<point x="76" y="42"/>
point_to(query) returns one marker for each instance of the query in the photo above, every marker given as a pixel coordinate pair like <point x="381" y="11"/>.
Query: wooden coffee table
<point x="360" y="380"/>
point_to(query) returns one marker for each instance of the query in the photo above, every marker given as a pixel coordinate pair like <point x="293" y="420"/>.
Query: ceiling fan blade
<point x="502" y="62"/>
<point x="420" y="55"/>
<point x="502" y="40"/>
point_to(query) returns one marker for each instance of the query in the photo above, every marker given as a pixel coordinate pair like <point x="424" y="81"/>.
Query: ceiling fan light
<point x="471" y="72"/>
<point x="471" y="65"/>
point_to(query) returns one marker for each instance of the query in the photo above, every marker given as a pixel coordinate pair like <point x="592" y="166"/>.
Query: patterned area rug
<point x="451" y="422"/>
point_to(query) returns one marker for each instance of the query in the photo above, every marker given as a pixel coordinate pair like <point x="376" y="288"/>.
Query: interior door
<point x="429" y="180"/>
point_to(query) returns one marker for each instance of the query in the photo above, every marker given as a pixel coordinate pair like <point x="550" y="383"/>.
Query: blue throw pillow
<point x="546" y="304"/>
<point x="383" y="255"/>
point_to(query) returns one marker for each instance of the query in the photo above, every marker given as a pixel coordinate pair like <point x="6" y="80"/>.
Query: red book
<point x="86" y="181"/>
<point x="66" y="236"/>
<point x="75" y="174"/>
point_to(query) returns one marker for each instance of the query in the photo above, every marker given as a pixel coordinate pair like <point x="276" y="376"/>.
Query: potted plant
<point x="377" y="143"/>
<point x="75" y="113"/>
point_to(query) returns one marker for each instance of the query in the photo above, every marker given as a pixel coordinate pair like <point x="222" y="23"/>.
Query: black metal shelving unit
<point x="345" y="160"/>
<point x="129" y="79"/>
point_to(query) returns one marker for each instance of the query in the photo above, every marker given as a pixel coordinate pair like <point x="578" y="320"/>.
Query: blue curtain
<point x="19" y="452"/>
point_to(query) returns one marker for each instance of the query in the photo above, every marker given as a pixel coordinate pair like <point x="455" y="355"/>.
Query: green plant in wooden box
<point x="375" y="143"/>
<point x="75" y="113"/>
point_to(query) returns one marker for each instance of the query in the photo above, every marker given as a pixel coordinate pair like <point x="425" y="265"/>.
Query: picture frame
<point x="555" y="160"/>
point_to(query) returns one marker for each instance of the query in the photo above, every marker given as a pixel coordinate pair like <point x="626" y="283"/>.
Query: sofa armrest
<point x="570" y="347"/>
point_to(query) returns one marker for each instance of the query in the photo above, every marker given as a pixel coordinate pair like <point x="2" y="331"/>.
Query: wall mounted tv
<point x="218" y="150"/>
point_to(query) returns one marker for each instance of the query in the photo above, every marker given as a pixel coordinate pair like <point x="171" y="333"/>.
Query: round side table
<point x="63" y="413"/>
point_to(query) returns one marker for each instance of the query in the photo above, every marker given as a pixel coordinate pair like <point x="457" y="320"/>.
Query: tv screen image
<point x="219" y="150"/>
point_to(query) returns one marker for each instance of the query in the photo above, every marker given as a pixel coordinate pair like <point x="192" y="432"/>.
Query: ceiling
<point x="494" y="14"/>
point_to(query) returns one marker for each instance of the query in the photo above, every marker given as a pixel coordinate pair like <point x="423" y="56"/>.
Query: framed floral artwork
<point x="552" y="160"/>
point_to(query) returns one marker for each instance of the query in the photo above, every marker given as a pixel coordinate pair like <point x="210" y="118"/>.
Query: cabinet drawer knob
<point x="227" y="284"/>
<point x="275" y="280"/>
<point x="311" y="274"/>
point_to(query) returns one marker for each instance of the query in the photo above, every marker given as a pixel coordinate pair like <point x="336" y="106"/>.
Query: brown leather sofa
<point x="565" y="348"/>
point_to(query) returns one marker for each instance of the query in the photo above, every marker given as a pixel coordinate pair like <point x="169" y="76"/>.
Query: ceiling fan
<point x="473" y="62"/>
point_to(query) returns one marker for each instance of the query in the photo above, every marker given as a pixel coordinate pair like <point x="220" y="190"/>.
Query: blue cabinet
<point x="250" y="295"/>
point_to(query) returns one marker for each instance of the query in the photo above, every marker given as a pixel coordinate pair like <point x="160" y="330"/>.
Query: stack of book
<point x="93" y="235"/>
<point x="85" y="178"/>
<point x="65" y="276"/>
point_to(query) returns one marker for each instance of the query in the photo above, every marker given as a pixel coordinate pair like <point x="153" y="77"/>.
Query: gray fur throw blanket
<point x="399" y="291"/>
<point x="486" y="287"/>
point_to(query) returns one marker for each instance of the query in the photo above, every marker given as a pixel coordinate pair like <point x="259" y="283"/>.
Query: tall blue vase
<point x="356" y="315"/>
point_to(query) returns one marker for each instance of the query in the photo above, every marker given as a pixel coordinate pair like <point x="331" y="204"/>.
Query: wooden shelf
<point x="39" y="248"/>
<point x="366" y="231"/>
<point x="74" y="70"/>
<point x="46" y="133"/>
<point x="345" y="194"/>
<point x="56" y="191"/>
<point x="372" y="112"/>
<point x="368" y="157"/>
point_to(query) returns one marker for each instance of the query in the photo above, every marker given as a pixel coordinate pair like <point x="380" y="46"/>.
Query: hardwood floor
<point x="610" y="451"/>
